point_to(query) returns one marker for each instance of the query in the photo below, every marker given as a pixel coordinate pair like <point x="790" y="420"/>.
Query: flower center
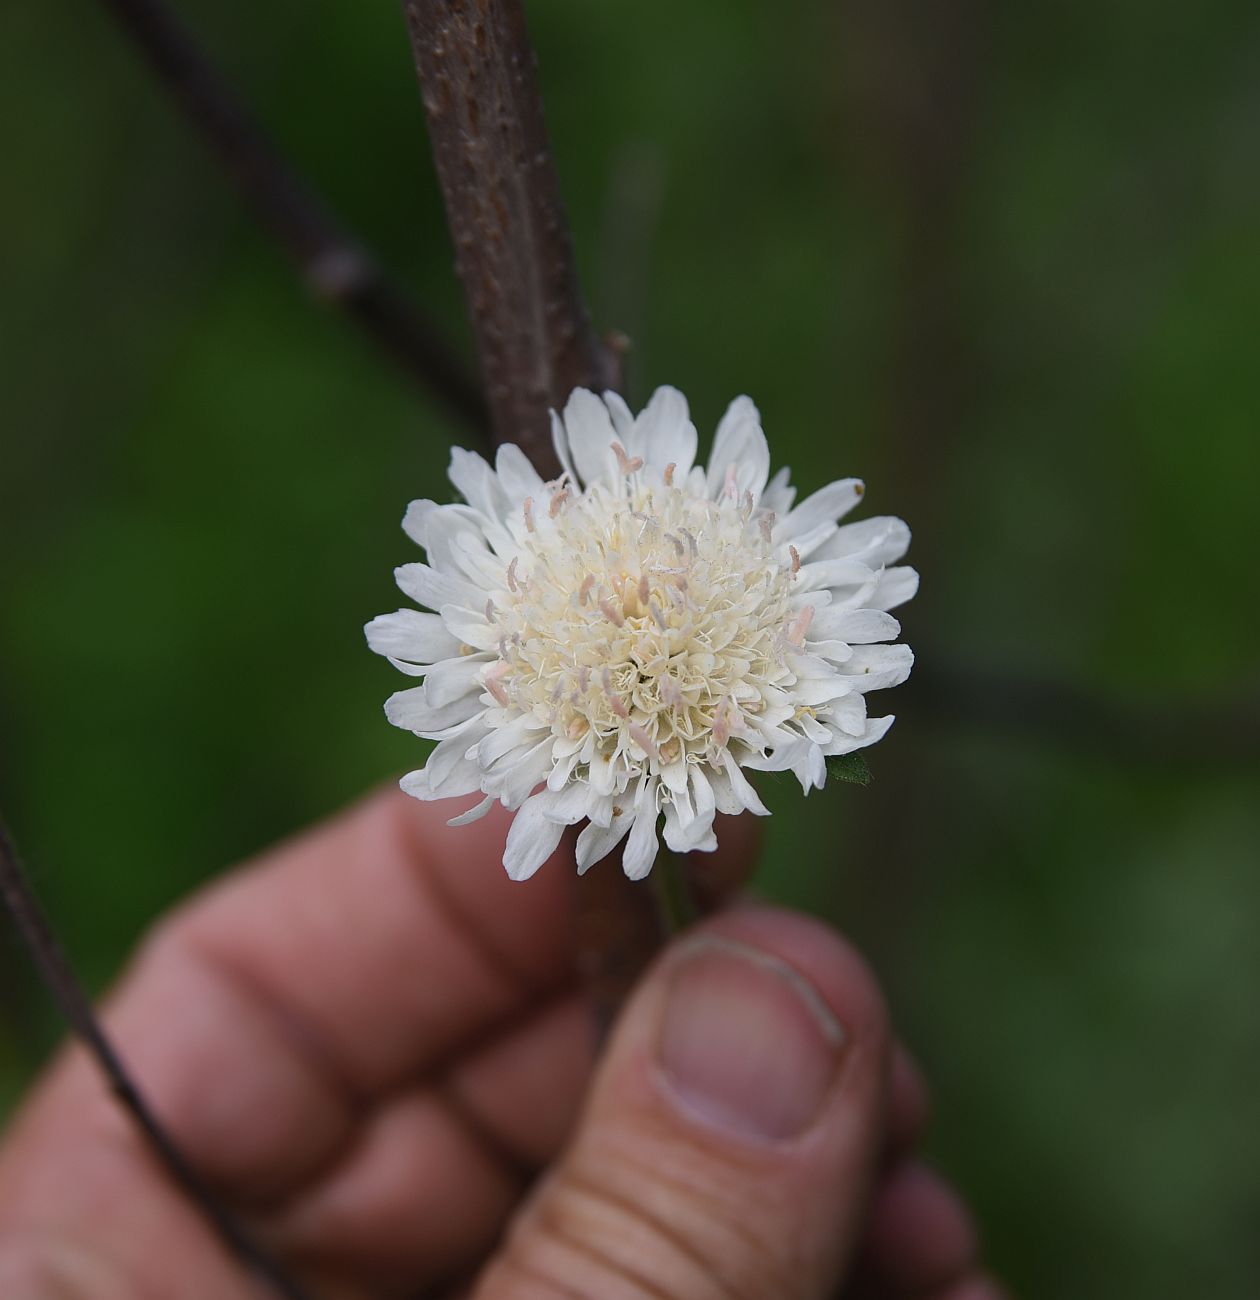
<point x="642" y="625"/>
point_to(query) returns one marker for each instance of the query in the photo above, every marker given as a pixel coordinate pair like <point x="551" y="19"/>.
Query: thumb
<point x="731" y="1133"/>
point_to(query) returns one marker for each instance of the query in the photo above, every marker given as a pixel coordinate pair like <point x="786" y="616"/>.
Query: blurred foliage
<point x="1002" y="261"/>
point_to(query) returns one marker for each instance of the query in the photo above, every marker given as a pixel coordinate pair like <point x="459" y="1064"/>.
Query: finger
<point x="731" y="1134"/>
<point x="920" y="1237"/>
<point x="388" y="939"/>
<point x="261" y="1020"/>
<point x="909" y="1102"/>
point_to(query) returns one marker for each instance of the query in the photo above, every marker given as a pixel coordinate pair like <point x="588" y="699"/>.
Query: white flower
<point x="635" y="633"/>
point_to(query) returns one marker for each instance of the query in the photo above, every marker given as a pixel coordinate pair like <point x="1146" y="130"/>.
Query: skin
<point x="372" y="1043"/>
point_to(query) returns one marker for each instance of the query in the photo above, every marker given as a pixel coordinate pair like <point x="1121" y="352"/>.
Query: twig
<point x="512" y="244"/>
<point x="55" y="969"/>
<point x="534" y="337"/>
<point x="335" y="268"/>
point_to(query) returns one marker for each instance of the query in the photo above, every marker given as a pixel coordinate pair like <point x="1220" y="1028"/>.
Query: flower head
<point x="635" y="633"/>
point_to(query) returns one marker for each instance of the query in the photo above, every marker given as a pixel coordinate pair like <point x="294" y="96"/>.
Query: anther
<point x="669" y="473"/>
<point x="800" y="625"/>
<point x="730" y="488"/>
<point x="767" y="524"/>
<point x="614" y="700"/>
<point x="611" y="613"/>
<point x="585" y="589"/>
<point x="626" y="463"/>
<point x="643" y="740"/>
<point x="721" y="723"/>
<point x="655" y="611"/>
<point x="796" y="559"/>
<point x="527" y="508"/>
<point x="558" y="498"/>
<point x="645" y="589"/>
<point x="493" y="683"/>
<point x="490" y="611"/>
<point x="511" y="573"/>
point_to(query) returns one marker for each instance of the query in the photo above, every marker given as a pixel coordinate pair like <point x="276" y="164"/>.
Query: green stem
<point x="673" y="892"/>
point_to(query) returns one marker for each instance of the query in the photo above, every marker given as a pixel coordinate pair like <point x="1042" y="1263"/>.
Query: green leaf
<point x="849" y="767"/>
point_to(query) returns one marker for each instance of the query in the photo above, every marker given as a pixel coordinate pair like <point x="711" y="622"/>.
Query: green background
<point x="1002" y="261"/>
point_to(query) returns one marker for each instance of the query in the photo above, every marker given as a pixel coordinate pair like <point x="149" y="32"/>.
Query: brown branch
<point x="534" y="337"/>
<point x="335" y="267"/>
<point x="57" y="973"/>
<point x="512" y="244"/>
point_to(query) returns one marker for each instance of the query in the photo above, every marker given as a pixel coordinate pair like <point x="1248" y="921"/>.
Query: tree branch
<point x="55" y="969"/>
<point x="534" y="337"/>
<point x="512" y="244"/>
<point x="335" y="268"/>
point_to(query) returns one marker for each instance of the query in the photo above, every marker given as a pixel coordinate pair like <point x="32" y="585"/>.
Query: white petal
<point x="420" y="785"/>
<point x="532" y="839"/>
<point x="824" y="507"/>
<point x="568" y="804"/>
<point x="664" y="433"/>
<point x="518" y="477"/>
<point x="417" y="518"/>
<point x="877" y="542"/>
<point x="411" y="711"/>
<point x="474" y="814"/>
<point x="596" y="842"/>
<point x="450" y="679"/>
<point x="408" y="634"/>
<point x="743" y="788"/>
<point x="779" y="493"/>
<point x="622" y="420"/>
<point x="640" y="850"/>
<point x="591" y="436"/>
<point x="513" y="780"/>
<point x="477" y="483"/>
<point x="876" y="667"/>
<point x="843" y="743"/>
<point x="428" y="587"/>
<point x="895" y="587"/>
<point x="739" y="443"/>
<point x="861" y="626"/>
<point x="560" y="444"/>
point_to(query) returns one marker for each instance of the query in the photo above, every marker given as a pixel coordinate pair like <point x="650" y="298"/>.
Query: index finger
<point x="386" y="939"/>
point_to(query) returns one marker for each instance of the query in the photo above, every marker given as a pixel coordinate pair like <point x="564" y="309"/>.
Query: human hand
<point x="371" y="1042"/>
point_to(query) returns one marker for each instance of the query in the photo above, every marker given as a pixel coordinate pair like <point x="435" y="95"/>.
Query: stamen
<point x="655" y="610"/>
<point x="796" y="560"/>
<point x="490" y="610"/>
<point x="730" y="488"/>
<point x="669" y="691"/>
<point x="644" y="741"/>
<point x="527" y="508"/>
<point x="767" y="524"/>
<point x="721" y="723"/>
<point x="645" y="589"/>
<point x="614" y="700"/>
<point x="611" y="613"/>
<point x="558" y="498"/>
<point x="625" y="462"/>
<point x="511" y="573"/>
<point x="585" y="589"/>
<point x="669" y="473"/>
<point x="493" y="683"/>
<point x="800" y="625"/>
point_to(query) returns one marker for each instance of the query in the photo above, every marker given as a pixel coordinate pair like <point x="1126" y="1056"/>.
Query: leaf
<point x="849" y="767"/>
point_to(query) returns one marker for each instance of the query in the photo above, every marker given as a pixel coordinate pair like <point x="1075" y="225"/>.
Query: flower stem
<point x="673" y="892"/>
